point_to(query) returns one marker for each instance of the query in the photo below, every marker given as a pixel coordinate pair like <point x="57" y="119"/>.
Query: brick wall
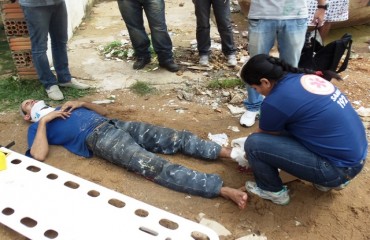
<point x="18" y="38"/>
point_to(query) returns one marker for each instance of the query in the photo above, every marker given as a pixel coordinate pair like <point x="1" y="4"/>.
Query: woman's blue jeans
<point x="42" y="21"/>
<point x="132" y="14"/>
<point x="290" y="36"/>
<point x="221" y="9"/>
<point x="267" y="153"/>
<point x="132" y="145"/>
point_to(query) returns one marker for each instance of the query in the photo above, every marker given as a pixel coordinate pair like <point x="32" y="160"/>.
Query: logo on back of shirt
<point x="317" y="85"/>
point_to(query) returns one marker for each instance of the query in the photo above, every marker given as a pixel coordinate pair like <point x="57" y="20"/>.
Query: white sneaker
<point x="281" y="197"/>
<point x="231" y="60"/>
<point x="248" y="119"/>
<point x="204" y="60"/>
<point x="326" y="189"/>
<point x="74" y="84"/>
<point x="54" y="93"/>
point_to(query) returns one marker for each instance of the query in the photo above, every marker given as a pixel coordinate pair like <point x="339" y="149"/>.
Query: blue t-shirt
<point x="71" y="132"/>
<point x="318" y="115"/>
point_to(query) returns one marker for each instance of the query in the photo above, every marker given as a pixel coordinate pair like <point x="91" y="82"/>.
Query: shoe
<point x="74" y="84"/>
<point x="204" y="60"/>
<point x="238" y="154"/>
<point x="140" y="63"/>
<point x="231" y="60"/>
<point x="54" y="93"/>
<point x="281" y="197"/>
<point x="326" y="189"/>
<point x="248" y="119"/>
<point x="170" y="66"/>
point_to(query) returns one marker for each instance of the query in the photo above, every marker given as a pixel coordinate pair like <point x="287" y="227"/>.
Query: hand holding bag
<point x="317" y="57"/>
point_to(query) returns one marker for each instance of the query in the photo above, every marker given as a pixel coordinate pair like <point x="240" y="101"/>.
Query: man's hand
<point x="71" y="105"/>
<point x="53" y="115"/>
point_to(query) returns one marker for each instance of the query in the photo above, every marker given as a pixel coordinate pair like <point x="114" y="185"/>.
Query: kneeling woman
<point x="307" y="128"/>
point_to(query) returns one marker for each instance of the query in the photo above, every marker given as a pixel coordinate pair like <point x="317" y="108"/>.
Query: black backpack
<point x="317" y="57"/>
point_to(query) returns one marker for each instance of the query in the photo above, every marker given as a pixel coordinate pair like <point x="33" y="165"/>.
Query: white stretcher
<point x="43" y="202"/>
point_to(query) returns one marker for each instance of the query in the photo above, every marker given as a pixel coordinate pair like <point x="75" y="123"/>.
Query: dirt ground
<point x="311" y="214"/>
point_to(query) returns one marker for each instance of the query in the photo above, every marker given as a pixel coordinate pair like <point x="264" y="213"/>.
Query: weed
<point x="142" y="88"/>
<point x="14" y="91"/>
<point x="226" y="83"/>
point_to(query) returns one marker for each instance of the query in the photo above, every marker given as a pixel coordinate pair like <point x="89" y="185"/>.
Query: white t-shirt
<point x="278" y="9"/>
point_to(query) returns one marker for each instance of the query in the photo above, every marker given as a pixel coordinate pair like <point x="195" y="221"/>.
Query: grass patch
<point x="117" y="49"/>
<point x="14" y="91"/>
<point x="226" y="83"/>
<point x="142" y="88"/>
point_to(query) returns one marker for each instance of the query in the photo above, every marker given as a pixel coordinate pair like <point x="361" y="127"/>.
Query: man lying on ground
<point x="83" y="129"/>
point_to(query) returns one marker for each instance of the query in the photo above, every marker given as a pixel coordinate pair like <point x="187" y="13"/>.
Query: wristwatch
<point x="325" y="7"/>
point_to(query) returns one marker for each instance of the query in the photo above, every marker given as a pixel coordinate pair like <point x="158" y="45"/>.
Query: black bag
<point x="317" y="57"/>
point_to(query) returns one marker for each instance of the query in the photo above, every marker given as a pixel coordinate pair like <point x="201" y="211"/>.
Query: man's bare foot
<point x="237" y="196"/>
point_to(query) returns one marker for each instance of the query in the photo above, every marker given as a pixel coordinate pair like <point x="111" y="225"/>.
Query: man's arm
<point x="71" y="105"/>
<point x="40" y="147"/>
<point x="318" y="18"/>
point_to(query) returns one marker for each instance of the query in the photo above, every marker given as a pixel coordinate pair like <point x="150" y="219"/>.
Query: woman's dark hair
<point x="272" y="68"/>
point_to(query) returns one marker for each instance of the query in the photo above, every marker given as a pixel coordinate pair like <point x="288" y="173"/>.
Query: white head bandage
<point x="39" y="110"/>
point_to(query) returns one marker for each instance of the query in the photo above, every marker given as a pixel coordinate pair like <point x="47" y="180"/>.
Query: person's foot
<point x="74" y="84"/>
<point x="170" y="66"/>
<point x="281" y="197"/>
<point x="204" y="60"/>
<point x="238" y="154"/>
<point x="141" y="63"/>
<point x="236" y="195"/>
<point x="326" y="189"/>
<point x="231" y="60"/>
<point x="248" y="118"/>
<point x="54" y="93"/>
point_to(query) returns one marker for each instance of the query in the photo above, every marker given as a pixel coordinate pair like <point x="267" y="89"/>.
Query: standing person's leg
<point x="202" y="13"/>
<point x="221" y="9"/>
<point x="38" y="20"/>
<point x="162" y="44"/>
<point x="261" y="39"/>
<point x="59" y="37"/>
<point x="291" y="37"/>
<point x="132" y="14"/>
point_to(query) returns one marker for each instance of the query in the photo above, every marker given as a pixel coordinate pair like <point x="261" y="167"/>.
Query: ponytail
<point x="274" y="69"/>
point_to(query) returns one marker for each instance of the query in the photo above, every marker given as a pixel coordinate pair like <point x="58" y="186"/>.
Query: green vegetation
<point x="121" y="51"/>
<point x="226" y="83"/>
<point x="14" y="91"/>
<point x="142" y="88"/>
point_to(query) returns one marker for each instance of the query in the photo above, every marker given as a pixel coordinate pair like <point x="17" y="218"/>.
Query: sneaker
<point x="74" y="84"/>
<point x="326" y="189"/>
<point x="54" y="93"/>
<point x="281" y="197"/>
<point x="170" y="66"/>
<point x="204" y="60"/>
<point x="141" y="63"/>
<point x="248" y="119"/>
<point x="231" y="60"/>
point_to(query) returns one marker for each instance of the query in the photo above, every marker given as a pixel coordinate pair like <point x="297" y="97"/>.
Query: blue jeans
<point x="221" y="9"/>
<point x="42" y="21"/>
<point x="266" y="153"/>
<point x="132" y="145"/>
<point x="132" y="14"/>
<point x="290" y="35"/>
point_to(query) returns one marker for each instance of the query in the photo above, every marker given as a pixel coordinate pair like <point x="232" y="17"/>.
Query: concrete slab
<point x="105" y="25"/>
